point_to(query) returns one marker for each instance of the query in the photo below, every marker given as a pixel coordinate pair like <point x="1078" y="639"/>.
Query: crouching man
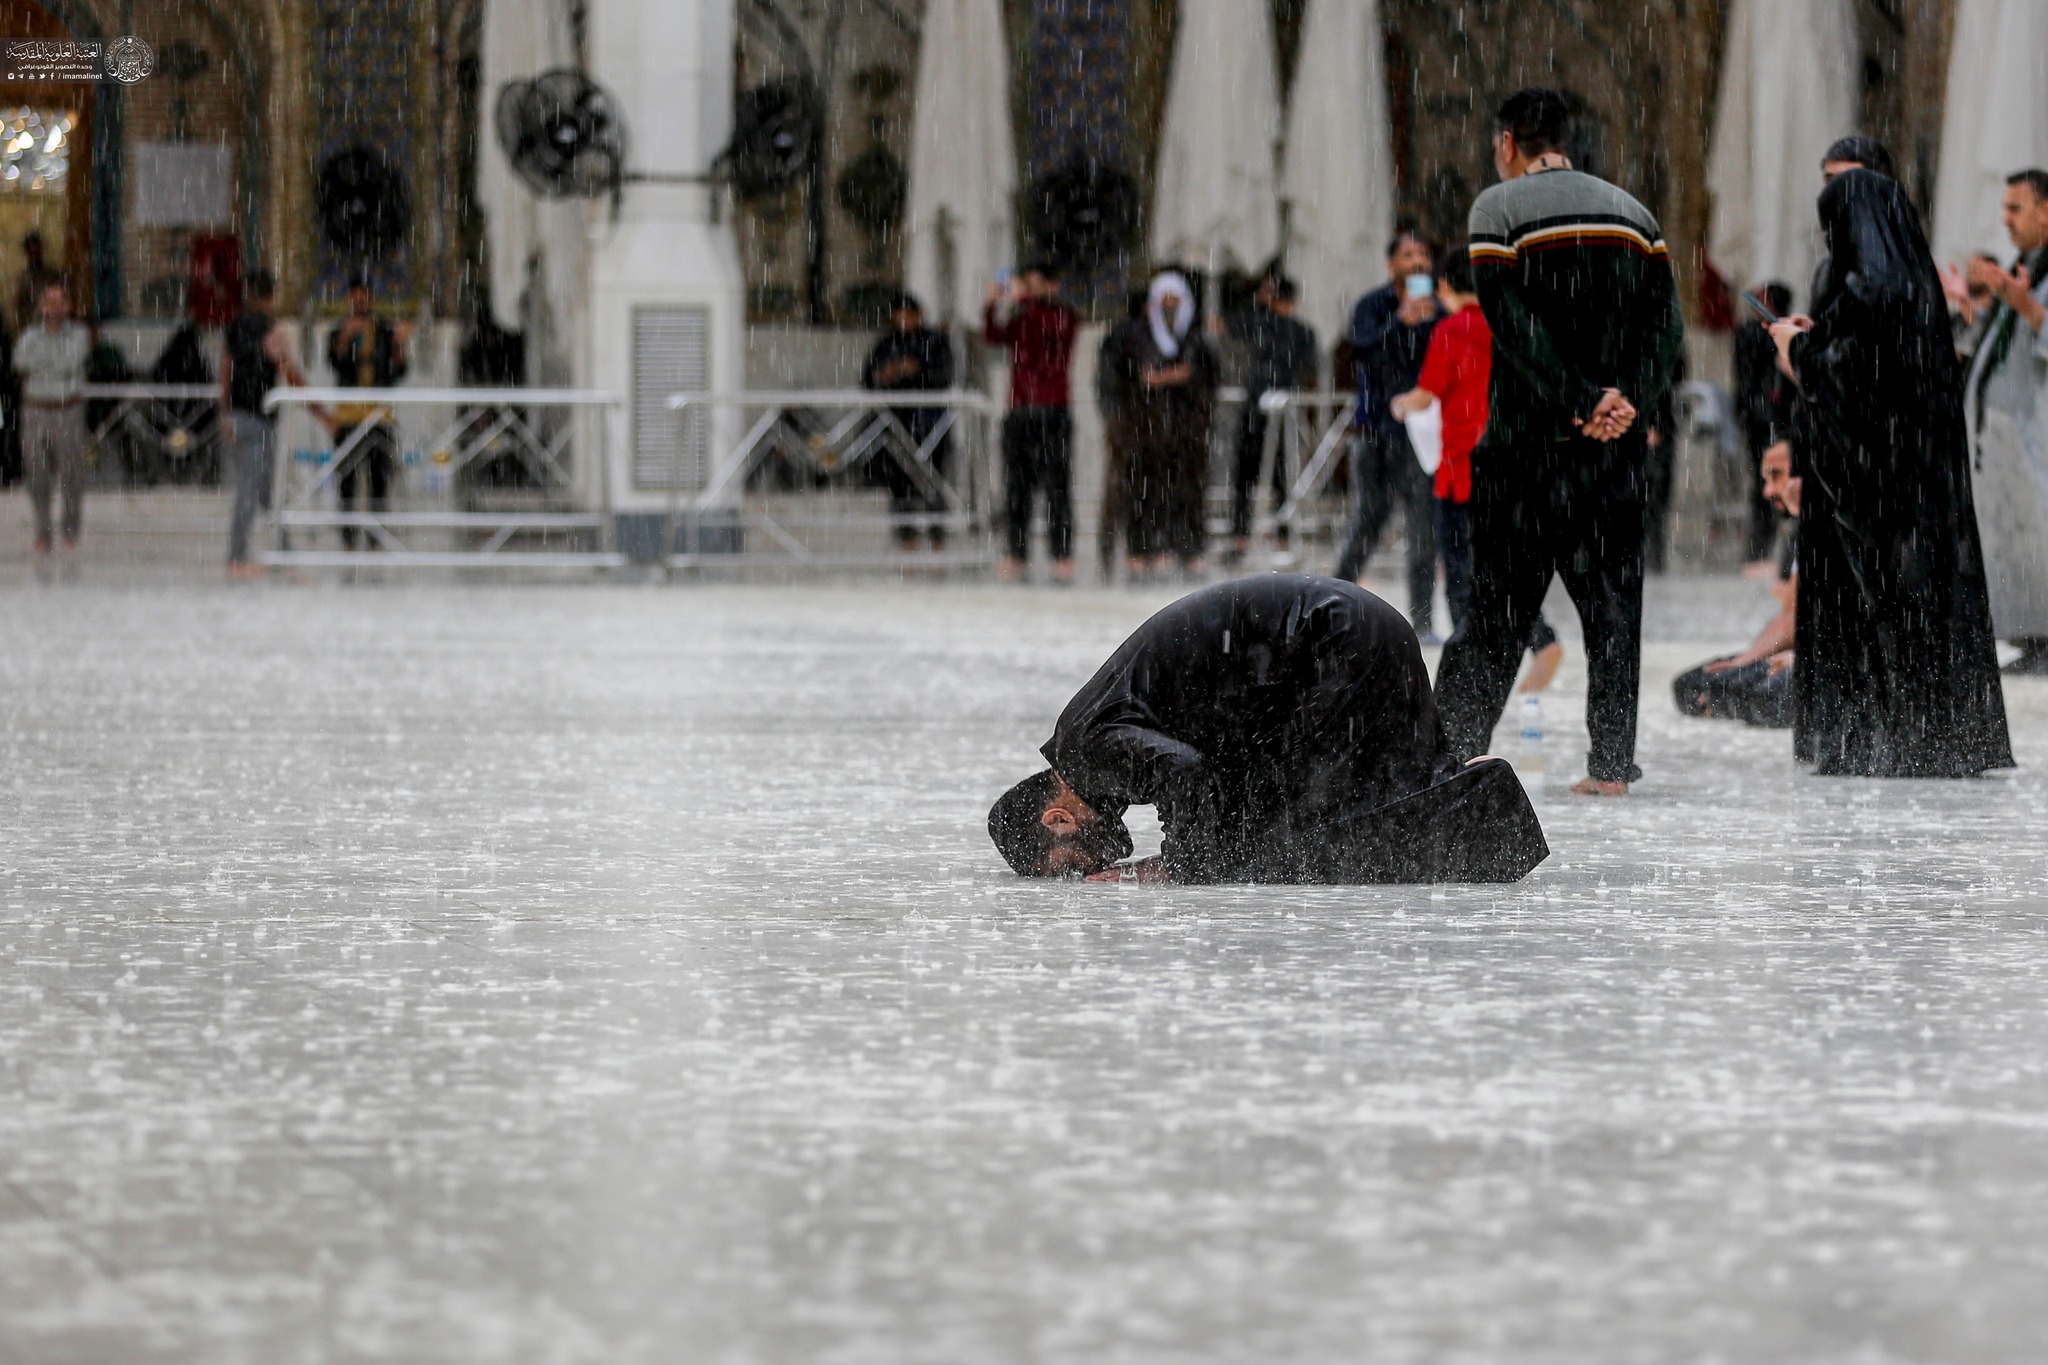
<point x="1285" y="729"/>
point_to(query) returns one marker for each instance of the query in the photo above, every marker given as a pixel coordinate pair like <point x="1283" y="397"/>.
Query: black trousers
<point x="1251" y="450"/>
<point x="1573" y="509"/>
<point x="1454" y="538"/>
<point x="1384" y="474"/>
<point x="373" y="461"/>
<point x="1038" y="456"/>
<point x="1750" y="693"/>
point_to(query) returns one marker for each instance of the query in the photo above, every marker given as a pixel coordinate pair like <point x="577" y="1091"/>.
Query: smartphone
<point x="1420" y="286"/>
<point x="1757" y="304"/>
<point x="1003" y="276"/>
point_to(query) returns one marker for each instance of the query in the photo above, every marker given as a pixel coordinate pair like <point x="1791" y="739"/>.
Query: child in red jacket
<point x="1455" y="372"/>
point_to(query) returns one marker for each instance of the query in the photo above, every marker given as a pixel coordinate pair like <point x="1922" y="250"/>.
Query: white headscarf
<point x="1167" y="334"/>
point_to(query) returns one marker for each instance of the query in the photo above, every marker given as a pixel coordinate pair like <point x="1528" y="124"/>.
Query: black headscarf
<point x="1877" y="254"/>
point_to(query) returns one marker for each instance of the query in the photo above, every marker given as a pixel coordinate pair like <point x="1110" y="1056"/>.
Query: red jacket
<point x="1457" y="369"/>
<point x="1041" y="341"/>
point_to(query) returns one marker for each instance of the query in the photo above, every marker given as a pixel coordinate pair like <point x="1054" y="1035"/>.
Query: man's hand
<point x="1782" y="332"/>
<point x="2018" y="293"/>
<point x="1415" y="400"/>
<point x="1150" y="870"/>
<point x="1415" y="312"/>
<point x="1612" y="416"/>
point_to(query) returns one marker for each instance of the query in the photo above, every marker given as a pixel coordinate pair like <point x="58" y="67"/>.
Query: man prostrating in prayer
<point x="1284" y="727"/>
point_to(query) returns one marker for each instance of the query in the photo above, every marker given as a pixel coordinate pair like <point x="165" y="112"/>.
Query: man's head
<point x="1529" y="123"/>
<point x="906" y="314"/>
<point x="360" y="300"/>
<point x="2026" y="209"/>
<point x="1777" y="296"/>
<point x="1853" y="153"/>
<point x="1408" y="254"/>
<point x="1454" y="287"/>
<point x="262" y="289"/>
<point x="1043" y="829"/>
<point x="1781" y="489"/>
<point x="54" y="304"/>
<point x="1040" y="280"/>
<point x="32" y="248"/>
<point x="1286" y="296"/>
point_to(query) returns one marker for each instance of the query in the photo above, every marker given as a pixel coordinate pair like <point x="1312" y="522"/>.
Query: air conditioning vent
<point x="671" y="354"/>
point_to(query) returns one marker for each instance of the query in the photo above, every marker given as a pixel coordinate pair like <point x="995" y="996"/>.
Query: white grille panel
<point x="671" y="354"/>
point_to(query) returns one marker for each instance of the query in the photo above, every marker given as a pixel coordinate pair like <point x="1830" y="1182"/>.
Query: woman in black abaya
<point x="1898" y="674"/>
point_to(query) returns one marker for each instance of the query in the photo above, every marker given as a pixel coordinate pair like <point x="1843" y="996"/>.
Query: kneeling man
<point x="1285" y="729"/>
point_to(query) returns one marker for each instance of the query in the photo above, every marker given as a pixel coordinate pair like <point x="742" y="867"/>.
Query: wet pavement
<point x="621" y="974"/>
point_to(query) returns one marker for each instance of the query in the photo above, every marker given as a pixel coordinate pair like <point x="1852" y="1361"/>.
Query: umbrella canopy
<point x="1788" y="89"/>
<point x="536" y="244"/>
<point x="963" y="166"/>
<point x="1213" y="203"/>
<point x="1996" y="121"/>
<point x="1339" y="176"/>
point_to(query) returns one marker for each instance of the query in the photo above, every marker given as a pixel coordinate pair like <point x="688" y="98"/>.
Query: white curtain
<point x="1214" y="201"/>
<point x="536" y="244"/>
<point x="1339" y="173"/>
<point x="1996" y="121"/>
<point x="1788" y="89"/>
<point x="963" y="167"/>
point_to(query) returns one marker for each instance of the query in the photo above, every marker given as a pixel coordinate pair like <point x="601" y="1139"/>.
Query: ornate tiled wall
<point x="364" y="57"/>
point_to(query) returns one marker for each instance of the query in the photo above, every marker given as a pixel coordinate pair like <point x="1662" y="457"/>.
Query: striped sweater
<point x="1575" y="282"/>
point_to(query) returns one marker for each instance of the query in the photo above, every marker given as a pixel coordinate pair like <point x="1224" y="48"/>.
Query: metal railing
<point x="1309" y="431"/>
<point x="829" y="442"/>
<point x="156" y="431"/>
<point x="546" y="448"/>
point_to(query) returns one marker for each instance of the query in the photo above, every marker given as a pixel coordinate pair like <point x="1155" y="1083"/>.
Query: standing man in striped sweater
<point x="1574" y="281"/>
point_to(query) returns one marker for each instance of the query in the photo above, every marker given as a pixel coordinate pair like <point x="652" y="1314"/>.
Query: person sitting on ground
<point x="1457" y="370"/>
<point x="1283" y="726"/>
<point x="1755" y="686"/>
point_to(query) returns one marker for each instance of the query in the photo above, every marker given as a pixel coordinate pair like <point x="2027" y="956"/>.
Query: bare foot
<point x="1009" y="570"/>
<point x="1593" y="786"/>
<point x="1543" y="667"/>
<point x="1760" y="568"/>
<point x="1063" y="571"/>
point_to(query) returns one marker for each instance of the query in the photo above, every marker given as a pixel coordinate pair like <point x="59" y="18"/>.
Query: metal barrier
<point x="827" y="438"/>
<point x="558" y="485"/>
<point x="1309" y="432"/>
<point x="156" y="431"/>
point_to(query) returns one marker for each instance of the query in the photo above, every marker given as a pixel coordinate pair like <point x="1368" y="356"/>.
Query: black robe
<point x="1285" y="728"/>
<point x="1166" y="469"/>
<point x="1898" y="673"/>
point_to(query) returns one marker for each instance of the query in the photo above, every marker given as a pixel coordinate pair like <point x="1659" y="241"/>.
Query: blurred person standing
<point x="367" y="352"/>
<point x="1575" y="282"/>
<point x="254" y="357"/>
<point x="1763" y="409"/>
<point x="1897" y="673"/>
<point x="1115" y="365"/>
<point x="1169" y="387"/>
<point x="50" y="358"/>
<point x="2006" y="405"/>
<point x="1038" y="432"/>
<point x="37" y="274"/>
<point x="1390" y="329"/>
<point x="1457" y="372"/>
<point x="1283" y="357"/>
<point x="913" y="358"/>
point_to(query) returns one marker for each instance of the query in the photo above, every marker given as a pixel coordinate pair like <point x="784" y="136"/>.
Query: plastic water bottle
<point x="1530" y="760"/>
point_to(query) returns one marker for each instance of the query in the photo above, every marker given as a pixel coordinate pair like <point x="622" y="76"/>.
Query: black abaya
<point x="1898" y="673"/>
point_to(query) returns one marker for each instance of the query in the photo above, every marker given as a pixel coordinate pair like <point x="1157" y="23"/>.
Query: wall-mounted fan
<point x="774" y="137"/>
<point x="563" y="134"/>
<point x="1083" y="214"/>
<point x="363" y="203"/>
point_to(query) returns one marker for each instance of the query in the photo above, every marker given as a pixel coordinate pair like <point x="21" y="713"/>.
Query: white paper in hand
<point x="1426" y="434"/>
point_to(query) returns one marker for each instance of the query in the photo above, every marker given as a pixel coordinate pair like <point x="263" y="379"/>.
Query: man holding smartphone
<point x="1390" y="330"/>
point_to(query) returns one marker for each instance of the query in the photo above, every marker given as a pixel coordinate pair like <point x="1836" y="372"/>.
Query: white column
<point x="669" y="64"/>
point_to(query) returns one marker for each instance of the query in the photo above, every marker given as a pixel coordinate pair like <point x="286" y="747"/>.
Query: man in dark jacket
<point x="1283" y="356"/>
<point x="367" y="352"/>
<point x="1390" y="331"/>
<point x="913" y="358"/>
<point x="1283" y="727"/>
<point x="1575" y="281"/>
